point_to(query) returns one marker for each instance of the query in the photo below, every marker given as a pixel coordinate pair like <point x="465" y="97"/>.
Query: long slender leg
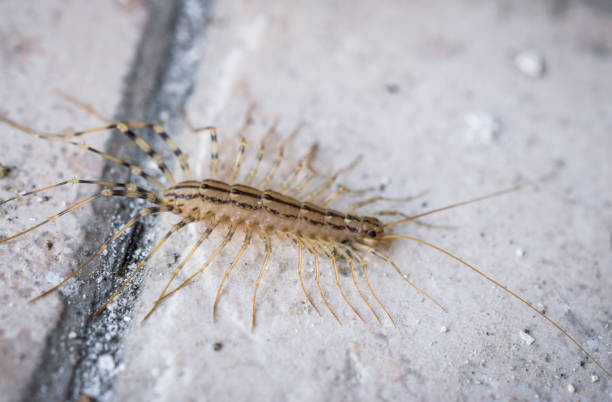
<point x="61" y="139"/>
<point x="175" y="228"/>
<point x="268" y="242"/>
<point x="247" y="240"/>
<point x="300" y="245"/>
<point x="318" y="277"/>
<point x="238" y="161"/>
<point x="143" y="212"/>
<point x="328" y="183"/>
<point x="355" y="253"/>
<point x="339" y="191"/>
<point x="228" y="238"/>
<point x="373" y="200"/>
<point x="348" y="258"/>
<point x="260" y="153"/>
<point x="107" y="192"/>
<point x="157" y="128"/>
<point x="304" y="163"/>
<point x="418" y="289"/>
<point x="279" y="159"/>
<point x="128" y="186"/>
<point x="214" y="149"/>
<point x="201" y="240"/>
<point x="330" y="254"/>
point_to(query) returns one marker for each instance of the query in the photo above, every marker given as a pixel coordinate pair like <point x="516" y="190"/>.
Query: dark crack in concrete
<point x="83" y="354"/>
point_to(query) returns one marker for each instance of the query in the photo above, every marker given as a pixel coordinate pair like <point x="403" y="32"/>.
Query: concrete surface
<point x="431" y="94"/>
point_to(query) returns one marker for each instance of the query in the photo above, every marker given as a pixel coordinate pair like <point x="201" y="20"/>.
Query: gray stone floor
<point x="439" y="96"/>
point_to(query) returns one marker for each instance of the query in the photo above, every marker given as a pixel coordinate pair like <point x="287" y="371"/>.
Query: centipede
<point x="262" y="210"/>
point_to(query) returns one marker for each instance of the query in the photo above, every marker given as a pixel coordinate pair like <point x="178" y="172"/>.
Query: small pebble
<point x="527" y="338"/>
<point x="443" y="330"/>
<point x="520" y="252"/>
<point x="531" y="63"/>
<point x="594" y="379"/>
<point x="571" y="389"/>
<point x="483" y="126"/>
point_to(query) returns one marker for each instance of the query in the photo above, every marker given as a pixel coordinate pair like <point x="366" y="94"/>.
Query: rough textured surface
<point x="434" y="98"/>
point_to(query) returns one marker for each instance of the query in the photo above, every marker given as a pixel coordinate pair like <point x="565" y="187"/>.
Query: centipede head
<point x="372" y="230"/>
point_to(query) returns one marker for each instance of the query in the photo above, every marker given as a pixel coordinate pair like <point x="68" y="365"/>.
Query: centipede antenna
<point x="505" y="289"/>
<point x="455" y="205"/>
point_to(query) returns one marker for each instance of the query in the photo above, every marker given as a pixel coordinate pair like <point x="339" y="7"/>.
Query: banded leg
<point x="214" y="149"/>
<point x="226" y="240"/>
<point x="314" y="252"/>
<point x="330" y="253"/>
<point x="304" y="163"/>
<point x="157" y="128"/>
<point x="378" y="198"/>
<point x="245" y="243"/>
<point x="175" y="228"/>
<point x="61" y="139"/>
<point x="176" y="272"/>
<point x="260" y="153"/>
<point x="300" y="246"/>
<point x="355" y="253"/>
<point x="143" y="212"/>
<point x="107" y="192"/>
<point x="279" y="159"/>
<point x="418" y="289"/>
<point x="238" y="161"/>
<point x="128" y="186"/>
<point x="348" y="258"/>
<point x="328" y="183"/>
<point x="268" y="242"/>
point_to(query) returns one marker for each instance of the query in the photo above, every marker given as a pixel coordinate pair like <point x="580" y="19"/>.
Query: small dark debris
<point x="482" y="234"/>
<point x="424" y="204"/>
<point x="49" y="244"/>
<point x="4" y="171"/>
<point x="392" y="88"/>
<point x="382" y="187"/>
<point x="217" y="346"/>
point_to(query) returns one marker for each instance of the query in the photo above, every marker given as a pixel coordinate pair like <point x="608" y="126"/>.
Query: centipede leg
<point x="348" y="258"/>
<point x="176" y="272"/>
<point x="279" y="159"/>
<point x="418" y="289"/>
<point x="175" y="228"/>
<point x="143" y="212"/>
<point x="300" y="246"/>
<point x="378" y="198"/>
<point x="355" y="253"/>
<point x="328" y="183"/>
<point x="416" y="222"/>
<point x="228" y="237"/>
<point x="318" y="277"/>
<point x="330" y="254"/>
<point x="247" y="240"/>
<point x="268" y="251"/>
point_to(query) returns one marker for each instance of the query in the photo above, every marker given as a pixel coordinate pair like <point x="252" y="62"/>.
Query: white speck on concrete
<point x="527" y="338"/>
<point x="443" y="330"/>
<point x="594" y="379"/>
<point x="483" y="126"/>
<point x="531" y="63"/>
<point x="106" y="363"/>
<point x="571" y="388"/>
<point x="520" y="252"/>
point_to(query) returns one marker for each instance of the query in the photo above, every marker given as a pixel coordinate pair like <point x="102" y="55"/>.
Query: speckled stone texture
<point x="458" y="98"/>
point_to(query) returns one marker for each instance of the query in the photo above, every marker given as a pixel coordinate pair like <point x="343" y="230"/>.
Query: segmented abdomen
<point x="268" y="209"/>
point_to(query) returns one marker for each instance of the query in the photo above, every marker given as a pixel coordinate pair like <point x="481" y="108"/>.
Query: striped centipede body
<point x="258" y="210"/>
